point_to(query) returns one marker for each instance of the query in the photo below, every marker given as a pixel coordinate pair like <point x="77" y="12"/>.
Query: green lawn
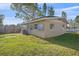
<point x="21" y="45"/>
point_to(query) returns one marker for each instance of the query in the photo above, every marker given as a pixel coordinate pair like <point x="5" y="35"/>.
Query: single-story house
<point x="48" y="26"/>
<point x="12" y="29"/>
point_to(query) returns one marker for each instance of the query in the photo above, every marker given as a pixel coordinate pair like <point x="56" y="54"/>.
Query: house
<point x="48" y="26"/>
<point x="1" y="24"/>
<point x="12" y="29"/>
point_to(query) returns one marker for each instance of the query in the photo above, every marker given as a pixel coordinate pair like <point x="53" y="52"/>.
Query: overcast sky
<point x="71" y="9"/>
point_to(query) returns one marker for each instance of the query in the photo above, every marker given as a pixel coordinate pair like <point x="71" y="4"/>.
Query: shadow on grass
<point x="70" y="40"/>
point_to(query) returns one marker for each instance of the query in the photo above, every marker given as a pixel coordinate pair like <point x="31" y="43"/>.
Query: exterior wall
<point x="36" y="32"/>
<point x="1" y="29"/>
<point x="1" y="26"/>
<point x="58" y="28"/>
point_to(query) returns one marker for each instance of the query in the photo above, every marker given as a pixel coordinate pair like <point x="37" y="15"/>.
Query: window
<point x="51" y="26"/>
<point x="39" y="26"/>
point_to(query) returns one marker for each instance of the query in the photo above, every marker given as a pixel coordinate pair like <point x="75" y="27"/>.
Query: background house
<point x="12" y="29"/>
<point x="1" y="24"/>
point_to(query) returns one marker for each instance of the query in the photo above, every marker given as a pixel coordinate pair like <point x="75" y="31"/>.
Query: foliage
<point x="64" y="14"/>
<point x="51" y="11"/>
<point x="77" y="19"/>
<point x="21" y="45"/>
<point x="44" y="9"/>
<point x="25" y="10"/>
<point x="28" y="11"/>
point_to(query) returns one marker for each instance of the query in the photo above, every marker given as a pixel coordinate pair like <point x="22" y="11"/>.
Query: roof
<point x="46" y="17"/>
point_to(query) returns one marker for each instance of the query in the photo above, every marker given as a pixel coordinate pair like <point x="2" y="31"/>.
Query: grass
<point x="22" y="45"/>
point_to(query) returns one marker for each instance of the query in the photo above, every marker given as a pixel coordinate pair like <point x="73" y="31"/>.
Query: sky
<point x="9" y="14"/>
<point x="72" y="10"/>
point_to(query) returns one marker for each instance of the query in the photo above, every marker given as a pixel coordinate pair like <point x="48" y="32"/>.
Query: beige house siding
<point x="36" y="32"/>
<point x="58" y="28"/>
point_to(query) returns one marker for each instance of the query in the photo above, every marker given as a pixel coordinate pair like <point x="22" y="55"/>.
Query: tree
<point x="77" y="19"/>
<point x="44" y="9"/>
<point x="64" y="14"/>
<point x="51" y="11"/>
<point x="26" y="11"/>
<point x="23" y="10"/>
<point x="38" y="12"/>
